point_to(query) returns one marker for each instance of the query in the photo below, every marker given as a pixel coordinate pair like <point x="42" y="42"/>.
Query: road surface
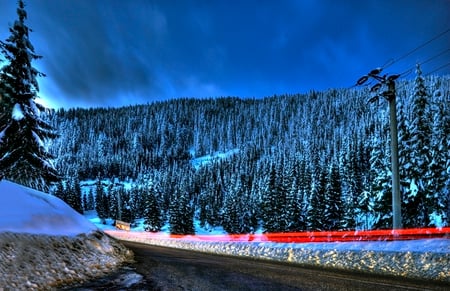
<point x="174" y="269"/>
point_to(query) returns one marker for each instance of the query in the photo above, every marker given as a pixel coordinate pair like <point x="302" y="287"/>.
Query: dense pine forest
<point x="315" y="161"/>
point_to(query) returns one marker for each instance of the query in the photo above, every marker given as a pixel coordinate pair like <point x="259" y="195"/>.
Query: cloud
<point x="113" y="52"/>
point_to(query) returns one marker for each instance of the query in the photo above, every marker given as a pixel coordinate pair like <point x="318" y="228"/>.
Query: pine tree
<point x="238" y="216"/>
<point x="353" y="165"/>
<point x="440" y="161"/>
<point x="419" y="196"/>
<point x="333" y="213"/>
<point x="60" y="191"/>
<point x="293" y="208"/>
<point x="152" y="213"/>
<point x="305" y="184"/>
<point x="294" y="200"/>
<point x="274" y="201"/>
<point x="230" y="213"/>
<point x="74" y="195"/>
<point x="114" y="207"/>
<point x="90" y="205"/>
<point x="181" y="214"/>
<point x="101" y="205"/>
<point x="317" y="203"/>
<point x="85" y="203"/>
<point x="23" y="131"/>
<point x="126" y="208"/>
<point x="381" y="183"/>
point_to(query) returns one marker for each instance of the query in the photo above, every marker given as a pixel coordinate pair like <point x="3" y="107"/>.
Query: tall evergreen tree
<point x="181" y="214"/>
<point x="381" y="183"/>
<point x="333" y="213"/>
<point x="419" y="196"/>
<point x="294" y="200"/>
<point x="237" y="209"/>
<point x="317" y="202"/>
<point x="440" y="161"/>
<point x="60" y="191"/>
<point x="101" y="201"/>
<point x="90" y="205"/>
<point x="114" y="206"/>
<point x="293" y="208"/>
<point x="74" y="195"/>
<point x="152" y="213"/>
<point x="274" y="200"/>
<point x="23" y="131"/>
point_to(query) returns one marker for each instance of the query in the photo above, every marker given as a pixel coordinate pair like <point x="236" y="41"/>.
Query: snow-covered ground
<point x="427" y="259"/>
<point x="44" y="243"/>
<point x="208" y="159"/>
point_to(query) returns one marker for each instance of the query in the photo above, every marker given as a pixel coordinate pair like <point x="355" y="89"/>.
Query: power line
<point x="410" y="69"/>
<point x="436" y="56"/>
<point x="439" y="68"/>
<point x="393" y="61"/>
<point x="404" y="85"/>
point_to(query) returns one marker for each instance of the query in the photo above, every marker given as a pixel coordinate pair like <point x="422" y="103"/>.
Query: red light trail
<point x="308" y="236"/>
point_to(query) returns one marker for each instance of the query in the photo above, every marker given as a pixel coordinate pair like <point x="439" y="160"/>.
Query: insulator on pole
<point x="362" y="80"/>
<point x="375" y="72"/>
<point x="393" y="77"/>
<point x="375" y="87"/>
<point x="373" y="99"/>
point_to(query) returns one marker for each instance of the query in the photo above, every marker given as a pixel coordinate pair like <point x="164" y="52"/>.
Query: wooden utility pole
<point x="390" y="96"/>
<point x="396" y="200"/>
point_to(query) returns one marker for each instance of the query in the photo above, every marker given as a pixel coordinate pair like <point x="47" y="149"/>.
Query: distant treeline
<point x="315" y="161"/>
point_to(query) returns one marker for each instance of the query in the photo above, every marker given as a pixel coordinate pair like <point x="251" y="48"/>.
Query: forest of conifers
<point x="315" y="161"/>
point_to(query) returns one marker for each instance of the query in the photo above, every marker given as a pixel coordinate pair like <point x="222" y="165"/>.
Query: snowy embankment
<point x="44" y="243"/>
<point x="427" y="259"/>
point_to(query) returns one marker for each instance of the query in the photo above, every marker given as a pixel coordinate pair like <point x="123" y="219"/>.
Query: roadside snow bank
<point x="25" y="210"/>
<point x="44" y="243"/>
<point x="420" y="259"/>
<point x="37" y="262"/>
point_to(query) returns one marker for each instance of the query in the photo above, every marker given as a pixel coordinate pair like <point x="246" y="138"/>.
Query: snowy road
<point x="175" y="269"/>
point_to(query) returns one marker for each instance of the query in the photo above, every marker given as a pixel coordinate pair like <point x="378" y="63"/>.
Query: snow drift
<point x="45" y="244"/>
<point x="25" y="210"/>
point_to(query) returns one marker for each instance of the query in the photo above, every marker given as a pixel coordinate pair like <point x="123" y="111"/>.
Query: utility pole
<point x="389" y="94"/>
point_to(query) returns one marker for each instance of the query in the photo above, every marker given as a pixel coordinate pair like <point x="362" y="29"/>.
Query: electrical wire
<point x="410" y="69"/>
<point x="393" y="61"/>
<point x="402" y="86"/>
<point x="439" y="68"/>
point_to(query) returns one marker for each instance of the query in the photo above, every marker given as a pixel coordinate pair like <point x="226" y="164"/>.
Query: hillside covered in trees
<point x="315" y="161"/>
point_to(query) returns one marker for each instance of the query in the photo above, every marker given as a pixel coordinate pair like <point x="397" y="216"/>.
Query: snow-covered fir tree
<point x="74" y="198"/>
<point x="60" y="191"/>
<point x="181" y="214"/>
<point x="419" y="198"/>
<point x="115" y="207"/>
<point x="439" y="168"/>
<point x="23" y="131"/>
<point x="317" y="202"/>
<point x="153" y="219"/>
<point x="334" y="212"/>
<point x="101" y="201"/>
<point x="381" y="184"/>
<point x="273" y="203"/>
<point x="90" y="201"/>
<point x="237" y="214"/>
<point x="294" y="200"/>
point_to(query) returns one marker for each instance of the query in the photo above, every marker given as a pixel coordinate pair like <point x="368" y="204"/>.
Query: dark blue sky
<point x="115" y="52"/>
